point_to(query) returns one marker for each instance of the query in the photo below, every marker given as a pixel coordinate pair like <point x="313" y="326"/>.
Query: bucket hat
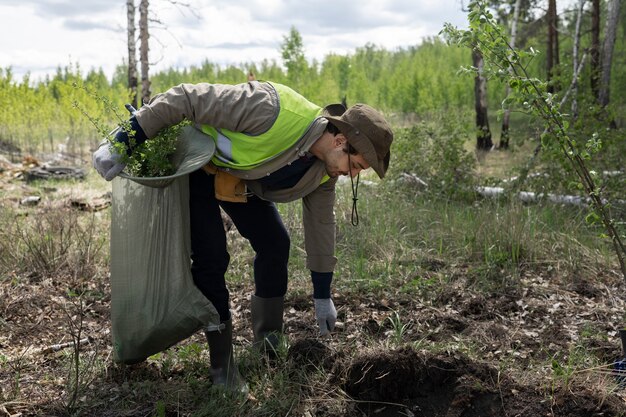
<point x="368" y="132"/>
<point x="336" y="109"/>
<point x="194" y="149"/>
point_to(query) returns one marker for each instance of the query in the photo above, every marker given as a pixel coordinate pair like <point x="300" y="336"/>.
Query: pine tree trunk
<point x="607" y="51"/>
<point x="557" y="54"/>
<point x="144" y="48"/>
<point x="132" y="53"/>
<point x="504" y="136"/>
<point x="594" y="51"/>
<point x="483" y="135"/>
<point x="552" y="50"/>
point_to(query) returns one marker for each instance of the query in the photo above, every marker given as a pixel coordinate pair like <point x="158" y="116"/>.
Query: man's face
<point x="339" y="162"/>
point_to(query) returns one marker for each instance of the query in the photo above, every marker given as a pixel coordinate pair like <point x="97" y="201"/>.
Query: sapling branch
<point x="506" y="63"/>
<point x="148" y="159"/>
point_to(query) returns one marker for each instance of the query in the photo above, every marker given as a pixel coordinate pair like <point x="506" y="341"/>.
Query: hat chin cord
<point x="354" y="218"/>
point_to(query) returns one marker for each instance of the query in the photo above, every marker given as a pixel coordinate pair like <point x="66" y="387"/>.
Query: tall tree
<point x="132" y="53"/>
<point x="594" y="50"/>
<point x="505" y="9"/>
<point x="552" y="50"/>
<point x="144" y="37"/>
<point x="483" y="133"/>
<point x="575" y="62"/>
<point x="292" y="52"/>
<point x="504" y="136"/>
<point x="607" y="50"/>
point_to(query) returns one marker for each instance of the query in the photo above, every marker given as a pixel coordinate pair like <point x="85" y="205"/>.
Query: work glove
<point x="107" y="162"/>
<point x="325" y="314"/>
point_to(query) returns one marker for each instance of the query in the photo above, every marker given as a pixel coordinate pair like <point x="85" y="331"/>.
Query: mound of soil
<point x="309" y="354"/>
<point x="406" y="382"/>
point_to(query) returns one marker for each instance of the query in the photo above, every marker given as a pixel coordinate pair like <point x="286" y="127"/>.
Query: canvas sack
<point x="154" y="302"/>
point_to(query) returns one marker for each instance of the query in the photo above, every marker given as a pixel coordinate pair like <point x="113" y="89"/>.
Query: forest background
<point x="416" y="81"/>
<point x="534" y="290"/>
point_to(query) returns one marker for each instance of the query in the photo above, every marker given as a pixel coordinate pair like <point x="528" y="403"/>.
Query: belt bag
<point x="227" y="187"/>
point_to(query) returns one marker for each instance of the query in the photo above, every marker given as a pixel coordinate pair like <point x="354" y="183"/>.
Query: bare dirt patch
<point x="406" y="382"/>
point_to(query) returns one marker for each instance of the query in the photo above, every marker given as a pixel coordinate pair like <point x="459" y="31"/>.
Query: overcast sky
<point x="37" y="36"/>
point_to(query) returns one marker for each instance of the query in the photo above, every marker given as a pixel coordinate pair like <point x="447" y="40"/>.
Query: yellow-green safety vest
<point x="243" y="151"/>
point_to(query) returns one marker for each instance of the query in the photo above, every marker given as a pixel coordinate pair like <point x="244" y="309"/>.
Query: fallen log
<point x="530" y="197"/>
<point x="61" y="346"/>
<point x="54" y="172"/>
<point x="32" y="200"/>
<point x="524" y="196"/>
<point x="97" y="204"/>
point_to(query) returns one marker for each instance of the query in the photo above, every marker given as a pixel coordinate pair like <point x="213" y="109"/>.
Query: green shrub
<point x="434" y="150"/>
<point x="153" y="157"/>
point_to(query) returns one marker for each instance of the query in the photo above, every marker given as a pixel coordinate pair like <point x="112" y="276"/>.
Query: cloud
<point x="67" y="8"/>
<point x="93" y="32"/>
<point x="235" y="45"/>
<point x="89" y="24"/>
<point x="327" y="16"/>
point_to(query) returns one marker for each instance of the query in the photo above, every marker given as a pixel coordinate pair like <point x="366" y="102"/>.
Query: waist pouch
<point x="227" y="187"/>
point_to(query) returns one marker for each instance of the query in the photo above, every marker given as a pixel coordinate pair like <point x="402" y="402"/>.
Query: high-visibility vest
<point x="243" y="151"/>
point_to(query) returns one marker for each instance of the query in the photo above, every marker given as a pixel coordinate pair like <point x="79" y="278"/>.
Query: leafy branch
<point x="149" y="159"/>
<point x="531" y="94"/>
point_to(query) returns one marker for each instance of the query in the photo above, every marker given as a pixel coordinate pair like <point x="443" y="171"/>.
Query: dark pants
<point x="257" y="220"/>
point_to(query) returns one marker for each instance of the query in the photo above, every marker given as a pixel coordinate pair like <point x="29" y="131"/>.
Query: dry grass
<point x="439" y="277"/>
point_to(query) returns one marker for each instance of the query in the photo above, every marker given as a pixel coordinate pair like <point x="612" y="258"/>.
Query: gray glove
<point x="325" y="314"/>
<point x="107" y="162"/>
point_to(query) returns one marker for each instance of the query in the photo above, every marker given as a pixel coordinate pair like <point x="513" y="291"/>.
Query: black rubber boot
<point x="267" y="323"/>
<point x="224" y="370"/>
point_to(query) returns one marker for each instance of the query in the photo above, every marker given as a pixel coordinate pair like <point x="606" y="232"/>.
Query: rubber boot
<point x="267" y="323"/>
<point x="224" y="370"/>
<point x="619" y="368"/>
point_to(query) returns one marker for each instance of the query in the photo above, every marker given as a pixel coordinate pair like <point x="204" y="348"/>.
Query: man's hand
<point x="325" y="314"/>
<point x="107" y="162"/>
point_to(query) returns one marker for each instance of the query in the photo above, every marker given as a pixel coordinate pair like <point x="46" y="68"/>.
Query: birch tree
<point x="132" y="53"/>
<point x="144" y="39"/>
<point x="504" y="136"/>
<point x="579" y="18"/>
<point x="144" y="48"/>
<point x="607" y="50"/>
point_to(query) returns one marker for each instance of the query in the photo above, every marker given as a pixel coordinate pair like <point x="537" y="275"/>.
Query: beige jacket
<point x="252" y="108"/>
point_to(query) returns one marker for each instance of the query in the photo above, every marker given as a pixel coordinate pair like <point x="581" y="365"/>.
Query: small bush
<point x="49" y="244"/>
<point x="434" y="151"/>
